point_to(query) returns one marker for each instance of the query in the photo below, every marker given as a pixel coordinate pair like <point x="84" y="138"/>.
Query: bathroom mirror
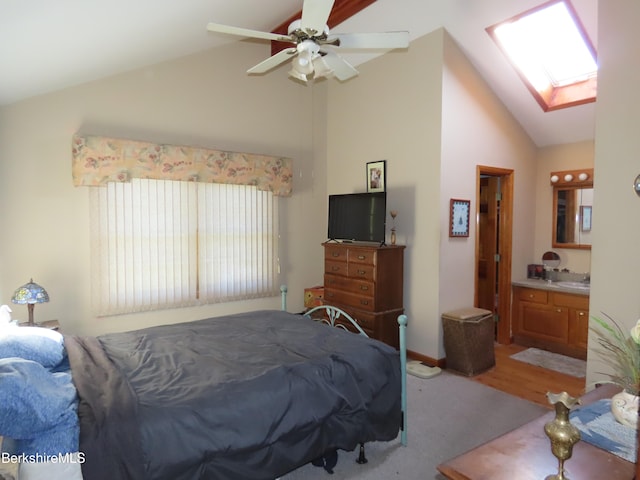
<point x="572" y="208"/>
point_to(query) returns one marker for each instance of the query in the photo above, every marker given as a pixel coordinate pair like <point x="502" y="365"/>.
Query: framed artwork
<point x="459" y="217"/>
<point x="376" y="176"/>
<point x="585" y="218"/>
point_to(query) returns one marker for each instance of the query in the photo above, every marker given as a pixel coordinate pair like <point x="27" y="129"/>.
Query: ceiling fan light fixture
<point x="321" y="69"/>
<point x="297" y="75"/>
<point x="303" y="63"/>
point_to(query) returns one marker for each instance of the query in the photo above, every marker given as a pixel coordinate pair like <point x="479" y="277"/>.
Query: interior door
<point x="494" y="227"/>
<point x="487" y="258"/>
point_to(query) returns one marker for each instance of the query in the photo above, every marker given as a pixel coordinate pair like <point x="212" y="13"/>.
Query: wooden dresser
<point x="366" y="282"/>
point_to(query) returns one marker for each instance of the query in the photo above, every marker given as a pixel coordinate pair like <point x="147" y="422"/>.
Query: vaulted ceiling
<point x="48" y="45"/>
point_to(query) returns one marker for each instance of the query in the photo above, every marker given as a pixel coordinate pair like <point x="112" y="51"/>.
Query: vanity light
<point x="568" y="178"/>
<point x="636" y="185"/>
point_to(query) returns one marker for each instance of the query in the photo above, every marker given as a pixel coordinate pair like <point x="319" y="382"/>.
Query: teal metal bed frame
<point x="331" y="314"/>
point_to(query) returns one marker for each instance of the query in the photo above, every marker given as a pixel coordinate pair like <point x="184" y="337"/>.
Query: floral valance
<point x="97" y="160"/>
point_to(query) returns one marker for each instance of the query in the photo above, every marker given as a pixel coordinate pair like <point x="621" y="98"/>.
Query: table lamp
<point x="30" y="293"/>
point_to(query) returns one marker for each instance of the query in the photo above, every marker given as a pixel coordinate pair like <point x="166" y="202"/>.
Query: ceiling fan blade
<point x="341" y="69"/>
<point x="371" y="40"/>
<point x="315" y="14"/>
<point x="245" y="32"/>
<point x="273" y="61"/>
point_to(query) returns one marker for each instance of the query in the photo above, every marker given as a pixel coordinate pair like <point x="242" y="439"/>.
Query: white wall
<point x="478" y="130"/>
<point x="615" y="262"/>
<point x="428" y="113"/>
<point x="202" y="100"/>
<point x="391" y="112"/>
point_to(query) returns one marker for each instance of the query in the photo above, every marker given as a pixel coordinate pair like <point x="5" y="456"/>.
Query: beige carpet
<point x="448" y="415"/>
<point x="553" y="361"/>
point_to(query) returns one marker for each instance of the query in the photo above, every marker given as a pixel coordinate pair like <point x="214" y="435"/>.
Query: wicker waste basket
<point x="468" y="340"/>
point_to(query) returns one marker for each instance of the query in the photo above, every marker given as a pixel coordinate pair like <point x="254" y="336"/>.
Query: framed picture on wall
<point x="376" y="176"/>
<point x="459" y="217"/>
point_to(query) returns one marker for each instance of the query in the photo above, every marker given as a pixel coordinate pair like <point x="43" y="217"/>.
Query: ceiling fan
<point x="313" y="54"/>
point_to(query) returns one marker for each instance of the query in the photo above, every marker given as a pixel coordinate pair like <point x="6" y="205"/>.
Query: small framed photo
<point x="585" y="218"/>
<point x="459" y="217"/>
<point x="376" y="176"/>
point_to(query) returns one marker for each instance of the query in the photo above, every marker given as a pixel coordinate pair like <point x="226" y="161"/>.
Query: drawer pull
<point x="335" y="254"/>
<point x="581" y="314"/>
<point x="365" y="288"/>
<point x="329" y="294"/>
<point x="362" y="272"/>
<point x="531" y="295"/>
<point x="361" y="257"/>
<point x="335" y="269"/>
<point x="558" y="310"/>
<point x="364" y="302"/>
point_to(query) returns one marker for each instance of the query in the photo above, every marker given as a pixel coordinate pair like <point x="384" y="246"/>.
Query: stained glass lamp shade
<point x="30" y="293"/>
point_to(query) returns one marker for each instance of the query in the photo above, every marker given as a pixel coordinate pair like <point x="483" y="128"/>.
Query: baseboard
<point x="432" y="362"/>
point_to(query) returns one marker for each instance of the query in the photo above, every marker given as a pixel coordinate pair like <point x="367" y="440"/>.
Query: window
<point x="161" y="244"/>
<point x="552" y="53"/>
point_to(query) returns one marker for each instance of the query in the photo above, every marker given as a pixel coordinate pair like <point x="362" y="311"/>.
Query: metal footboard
<point x="332" y="314"/>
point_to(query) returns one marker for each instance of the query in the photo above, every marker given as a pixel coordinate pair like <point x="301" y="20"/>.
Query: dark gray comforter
<point x="248" y="396"/>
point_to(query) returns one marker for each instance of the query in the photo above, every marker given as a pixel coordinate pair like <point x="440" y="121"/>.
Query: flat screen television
<point x="358" y="217"/>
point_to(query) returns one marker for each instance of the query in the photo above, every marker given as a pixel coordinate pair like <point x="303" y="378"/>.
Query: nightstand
<point x="50" y="324"/>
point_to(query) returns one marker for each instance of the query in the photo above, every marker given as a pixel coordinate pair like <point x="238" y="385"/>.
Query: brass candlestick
<point x="562" y="434"/>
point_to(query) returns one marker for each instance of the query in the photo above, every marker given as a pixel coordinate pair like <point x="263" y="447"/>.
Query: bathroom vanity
<point x="553" y="316"/>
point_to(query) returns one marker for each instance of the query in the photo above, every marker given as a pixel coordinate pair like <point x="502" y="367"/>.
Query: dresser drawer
<point x="365" y="320"/>
<point x="347" y="324"/>
<point x="362" y="256"/>
<point x="335" y="253"/>
<point x="361" y="287"/>
<point x="336" y="268"/>
<point x="338" y="297"/>
<point x="533" y="295"/>
<point x="361" y="271"/>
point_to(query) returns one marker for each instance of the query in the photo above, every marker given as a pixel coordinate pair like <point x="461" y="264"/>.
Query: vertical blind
<point x="161" y="244"/>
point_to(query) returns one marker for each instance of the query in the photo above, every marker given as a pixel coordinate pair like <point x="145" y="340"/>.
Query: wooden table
<point x="525" y="454"/>
<point x="50" y="324"/>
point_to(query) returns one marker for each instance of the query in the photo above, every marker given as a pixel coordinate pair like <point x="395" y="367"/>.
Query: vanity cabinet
<point x="554" y="321"/>
<point x="366" y="282"/>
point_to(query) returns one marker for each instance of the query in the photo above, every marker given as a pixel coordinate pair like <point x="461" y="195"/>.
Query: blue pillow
<point x="32" y="399"/>
<point x="40" y="345"/>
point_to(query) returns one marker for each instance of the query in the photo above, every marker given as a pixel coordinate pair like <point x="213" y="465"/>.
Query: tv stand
<point x="366" y="281"/>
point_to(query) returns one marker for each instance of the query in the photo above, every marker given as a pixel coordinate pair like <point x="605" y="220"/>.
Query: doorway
<point x="494" y="225"/>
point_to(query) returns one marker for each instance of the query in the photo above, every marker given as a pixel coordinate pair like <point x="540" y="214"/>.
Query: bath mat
<point x="420" y="370"/>
<point x="553" y="361"/>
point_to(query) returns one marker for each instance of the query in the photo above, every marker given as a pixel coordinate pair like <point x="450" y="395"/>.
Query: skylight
<point x="552" y="53"/>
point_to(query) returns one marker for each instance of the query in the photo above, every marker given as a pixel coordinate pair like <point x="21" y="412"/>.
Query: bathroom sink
<point x="584" y="286"/>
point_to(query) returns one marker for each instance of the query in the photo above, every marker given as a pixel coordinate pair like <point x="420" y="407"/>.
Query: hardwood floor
<point x="527" y="381"/>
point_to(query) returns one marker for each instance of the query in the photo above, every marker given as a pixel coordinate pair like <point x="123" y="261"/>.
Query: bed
<point x="252" y="395"/>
